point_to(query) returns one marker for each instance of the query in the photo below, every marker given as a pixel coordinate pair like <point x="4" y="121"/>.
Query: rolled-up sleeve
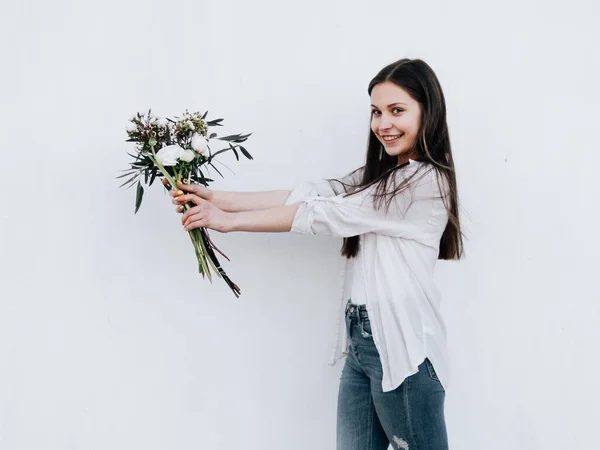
<point x="416" y="213"/>
<point x="322" y="188"/>
<point x="309" y="189"/>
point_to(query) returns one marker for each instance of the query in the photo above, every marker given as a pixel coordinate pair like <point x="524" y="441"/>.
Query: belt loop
<point x="350" y="307"/>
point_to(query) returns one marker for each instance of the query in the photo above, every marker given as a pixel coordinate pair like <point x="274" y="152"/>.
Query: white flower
<point x="169" y="155"/>
<point x="187" y="156"/>
<point x="199" y="143"/>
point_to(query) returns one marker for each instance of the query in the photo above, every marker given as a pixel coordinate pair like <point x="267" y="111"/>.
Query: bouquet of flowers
<point x="179" y="150"/>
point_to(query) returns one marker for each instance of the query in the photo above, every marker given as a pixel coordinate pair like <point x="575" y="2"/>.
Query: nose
<point x="384" y="123"/>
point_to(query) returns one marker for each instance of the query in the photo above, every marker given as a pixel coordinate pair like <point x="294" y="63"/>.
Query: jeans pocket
<point x="432" y="373"/>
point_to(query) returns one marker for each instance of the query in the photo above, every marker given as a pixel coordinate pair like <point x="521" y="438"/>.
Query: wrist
<point x="211" y="195"/>
<point x="220" y="200"/>
<point x="232" y="221"/>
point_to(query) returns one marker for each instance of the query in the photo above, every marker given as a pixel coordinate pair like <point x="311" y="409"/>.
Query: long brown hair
<point x="431" y="146"/>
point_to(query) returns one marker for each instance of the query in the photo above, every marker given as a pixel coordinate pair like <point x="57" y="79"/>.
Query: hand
<point x="197" y="189"/>
<point x="203" y="215"/>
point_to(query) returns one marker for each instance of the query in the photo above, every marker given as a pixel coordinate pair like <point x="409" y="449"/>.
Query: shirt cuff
<point x="303" y="219"/>
<point x="298" y="194"/>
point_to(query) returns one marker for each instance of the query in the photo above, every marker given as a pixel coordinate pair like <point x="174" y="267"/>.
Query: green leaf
<point x="213" y="166"/>
<point x="231" y="137"/>
<point x="153" y="177"/>
<point x="131" y="183"/>
<point x="215" y="123"/>
<point x="138" y="197"/>
<point x="152" y="142"/>
<point x="237" y="157"/>
<point x="130" y="179"/>
<point x="213" y="135"/>
<point x="129" y="172"/>
<point x="136" y="157"/>
<point x="245" y="152"/>
<point x="204" y="116"/>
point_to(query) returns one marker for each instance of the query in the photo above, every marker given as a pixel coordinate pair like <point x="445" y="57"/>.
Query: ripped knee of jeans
<point x="401" y="444"/>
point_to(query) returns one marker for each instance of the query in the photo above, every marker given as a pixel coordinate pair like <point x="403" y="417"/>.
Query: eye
<point x="397" y="110"/>
<point x="375" y="112"/>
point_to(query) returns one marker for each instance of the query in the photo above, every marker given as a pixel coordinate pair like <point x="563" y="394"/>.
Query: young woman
<point x="397" y="215"/>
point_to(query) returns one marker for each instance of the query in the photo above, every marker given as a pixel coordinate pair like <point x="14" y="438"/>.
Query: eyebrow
<point x="392" y="104"/>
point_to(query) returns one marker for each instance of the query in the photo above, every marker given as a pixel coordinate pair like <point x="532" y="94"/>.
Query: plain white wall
<point x="108" y="337"/>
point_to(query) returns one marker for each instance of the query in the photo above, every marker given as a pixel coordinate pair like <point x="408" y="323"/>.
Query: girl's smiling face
<point x="395" y="119"/>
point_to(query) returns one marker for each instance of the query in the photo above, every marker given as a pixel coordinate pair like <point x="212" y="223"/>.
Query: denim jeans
<point x="411" y="417"/>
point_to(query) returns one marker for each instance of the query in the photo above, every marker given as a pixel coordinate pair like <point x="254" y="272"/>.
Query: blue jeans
<point x="411" y="417"/>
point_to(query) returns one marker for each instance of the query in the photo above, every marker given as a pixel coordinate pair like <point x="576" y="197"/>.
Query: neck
<point x="404" y="157"/>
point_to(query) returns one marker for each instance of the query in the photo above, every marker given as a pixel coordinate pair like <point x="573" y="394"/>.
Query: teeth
<point x="391" y="138"/>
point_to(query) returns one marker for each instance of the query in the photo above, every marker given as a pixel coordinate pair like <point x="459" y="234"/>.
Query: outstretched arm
<point x="233" y="201"/>
<point x="272" y="220"/>
<point x="207" y="215"/>
<point x="248" y="201"/>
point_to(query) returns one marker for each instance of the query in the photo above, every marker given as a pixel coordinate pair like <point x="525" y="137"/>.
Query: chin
<point x="394" y="151"/>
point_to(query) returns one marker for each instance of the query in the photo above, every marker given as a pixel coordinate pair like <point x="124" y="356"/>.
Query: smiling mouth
<point x="392" y="138"/>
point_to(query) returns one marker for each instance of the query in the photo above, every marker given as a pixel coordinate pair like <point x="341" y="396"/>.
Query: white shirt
<point x="398" y="254"/>
<point x="358" y="293"/>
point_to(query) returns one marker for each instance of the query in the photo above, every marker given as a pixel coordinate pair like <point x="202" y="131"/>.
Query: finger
<point x="179" y="209"/>
<point x="190" y="212"/>
<point x="186" y="187"/>
<point x="190" y="198"/>
<point x="165" y="181"/>
<point x="199" y="223"/>
<point x="176" y="197"/>
<point x="193" y="215"/>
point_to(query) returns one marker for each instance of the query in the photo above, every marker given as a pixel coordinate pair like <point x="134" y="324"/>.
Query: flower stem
<point x="197" y="242"/>
<point x="209" y="258"/>
<point x="200" y="254"/>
